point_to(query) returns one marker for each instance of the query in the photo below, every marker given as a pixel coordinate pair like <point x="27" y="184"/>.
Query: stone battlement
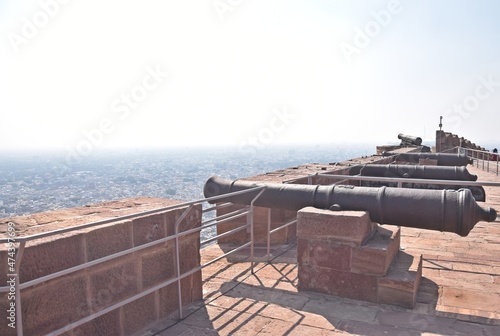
<point x="55" y="303"/>
<point x="447" y="140"/>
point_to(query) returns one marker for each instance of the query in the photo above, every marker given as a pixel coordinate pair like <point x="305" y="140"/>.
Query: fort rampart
<point x="55" y="303"/>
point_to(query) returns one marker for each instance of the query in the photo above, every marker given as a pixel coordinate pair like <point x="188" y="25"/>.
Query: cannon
<point x="440" y="210"/>
<point x="419" y="172"/>
<point x="409" y="140"/>
<point x="414" y="171"/>
<point x="443" y="159"/>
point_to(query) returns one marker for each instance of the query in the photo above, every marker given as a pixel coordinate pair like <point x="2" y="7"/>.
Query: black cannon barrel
<point x="441" y="210"/>
<point x="415" y="171"/>
<point x="443" y="159"/>
<point x="410" y="139"/>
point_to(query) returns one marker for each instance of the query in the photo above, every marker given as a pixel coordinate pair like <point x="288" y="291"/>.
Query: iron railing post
<point x="19" y="311"/>
<point x="177" y="258"/>
<point x="268" y="234"/>
<point x="252" y="236"/>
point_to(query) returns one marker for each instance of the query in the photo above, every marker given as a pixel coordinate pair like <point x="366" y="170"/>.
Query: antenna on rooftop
<point x="440" y="122"/>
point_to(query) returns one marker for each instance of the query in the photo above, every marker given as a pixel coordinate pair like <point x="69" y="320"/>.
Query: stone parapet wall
<point x="278" y="218"/>
<point x="447" y="140"/>
<point x="56" y="303"/>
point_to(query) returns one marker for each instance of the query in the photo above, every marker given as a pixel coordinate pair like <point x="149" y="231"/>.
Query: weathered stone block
<point x="352" y="227"/>
<point x="237" y="237"/>
<point x="4" y="260"/>
<point x="400" y="285"/>
<point x="108" y="239"/>
<point x="138" y="314"/>
<point x="190" y="221"/>
<point x="157" y="265"/>
<point x="302" y="251"/>
<point x="279" y="217"/>
<point x="194" y="287"/>
<point x="112" y="282"/>
<point x="191" y="289"/>
<point x="376" y="255"/>
<point x="405" y="273"/>
<point x="168" y="299"/>
<point x="107" y="324"/>
<point x="51" y="254"/>
<point x="335" y="282"/>
<point x="171" y="218"/>
<point x="397" y="297"/>
<point x="53" y="305"/>
<point x="189" y="254"/>
<point x="148" y="228"/>
<point x="324" y="254"/>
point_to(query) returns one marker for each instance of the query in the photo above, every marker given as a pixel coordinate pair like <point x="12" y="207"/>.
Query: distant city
<point x="31" y="183"/>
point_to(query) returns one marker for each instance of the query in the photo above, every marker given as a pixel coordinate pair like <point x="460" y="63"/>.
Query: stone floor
<point x="459" y="294"/>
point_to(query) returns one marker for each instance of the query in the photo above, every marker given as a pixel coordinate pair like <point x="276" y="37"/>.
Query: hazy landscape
<point x="35" y="182"/>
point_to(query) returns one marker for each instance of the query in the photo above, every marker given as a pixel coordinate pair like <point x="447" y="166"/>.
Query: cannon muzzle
<point x="440" y="210"/>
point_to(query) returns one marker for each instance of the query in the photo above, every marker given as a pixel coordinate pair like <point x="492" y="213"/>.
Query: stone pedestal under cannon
<point x="344" y="253"/>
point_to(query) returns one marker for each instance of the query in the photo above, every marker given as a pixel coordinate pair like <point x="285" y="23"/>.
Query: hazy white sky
<point x="87" y="74"/>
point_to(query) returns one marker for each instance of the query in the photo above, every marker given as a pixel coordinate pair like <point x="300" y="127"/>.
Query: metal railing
<point x="483" y="159"/>
<point x="247" y="211"/>
<point x="270" y="232"/>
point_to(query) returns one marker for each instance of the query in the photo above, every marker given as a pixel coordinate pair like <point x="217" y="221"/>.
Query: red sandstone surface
<point x="459" y="294"/>
<point x="62" y="218"/>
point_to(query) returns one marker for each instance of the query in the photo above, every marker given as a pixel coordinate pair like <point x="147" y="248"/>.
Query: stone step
<point x="400" y="285"/>
<point x="376" y="255"/>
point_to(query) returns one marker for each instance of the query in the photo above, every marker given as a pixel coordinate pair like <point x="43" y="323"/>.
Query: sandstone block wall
<point x="54" y="304"/>
<point x="278" y="218"/>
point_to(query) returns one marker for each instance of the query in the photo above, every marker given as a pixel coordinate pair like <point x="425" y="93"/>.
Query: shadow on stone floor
<point x="252" y="308"/>
<point x="239" y="303"/>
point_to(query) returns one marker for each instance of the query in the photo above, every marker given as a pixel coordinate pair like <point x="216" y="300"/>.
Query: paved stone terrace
<point x="459" y="294"/>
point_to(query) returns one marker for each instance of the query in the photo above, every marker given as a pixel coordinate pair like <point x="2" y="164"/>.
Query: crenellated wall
<point x="55" y="303"/>
<point x="447" y="140"/>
